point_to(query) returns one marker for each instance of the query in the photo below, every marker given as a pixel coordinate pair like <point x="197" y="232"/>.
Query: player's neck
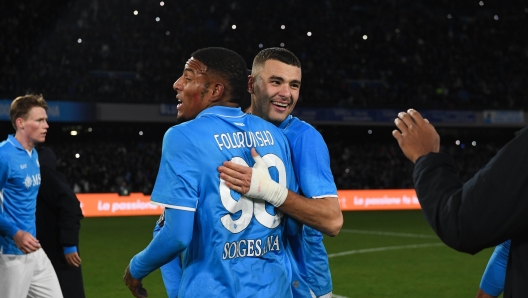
<point x="24" y="141"/>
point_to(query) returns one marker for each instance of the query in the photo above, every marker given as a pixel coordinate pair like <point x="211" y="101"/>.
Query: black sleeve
<point x="488" y="209"/>
<point x="68" y="210"/>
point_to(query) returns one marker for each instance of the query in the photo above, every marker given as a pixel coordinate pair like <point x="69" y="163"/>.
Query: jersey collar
<point x="11" y="139"/>
<point x="286" y="122"/>
<point x="222" y="111"/>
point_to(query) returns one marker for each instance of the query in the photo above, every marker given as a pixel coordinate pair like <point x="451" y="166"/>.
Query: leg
<point x="16" y="272"/>
<point x="44" y="283"/>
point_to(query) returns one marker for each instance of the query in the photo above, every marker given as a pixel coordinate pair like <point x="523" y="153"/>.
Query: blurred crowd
<point x="357" y="161"/>
<point x="361" y="54"/>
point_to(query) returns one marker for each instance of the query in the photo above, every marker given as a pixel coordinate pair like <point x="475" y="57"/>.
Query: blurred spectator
<point x="358" y="160"/>
<point x="366" y="54"/>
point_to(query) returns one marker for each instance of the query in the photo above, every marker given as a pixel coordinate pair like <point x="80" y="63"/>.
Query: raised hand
<point x="415" y="135"/>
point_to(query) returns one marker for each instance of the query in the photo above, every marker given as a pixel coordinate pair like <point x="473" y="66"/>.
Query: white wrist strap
<point x="263" y="187"/>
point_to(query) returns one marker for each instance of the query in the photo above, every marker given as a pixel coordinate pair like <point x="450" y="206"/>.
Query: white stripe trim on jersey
<point x="325" y="196"/>
<point x="2" y="200"/>
<point x="216" y="114"/>
<point x="11" y="143"/>
<point x="175" y="207"/>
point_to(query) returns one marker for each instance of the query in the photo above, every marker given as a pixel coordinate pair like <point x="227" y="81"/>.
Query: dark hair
<point x="21" y="105"/>
<point x="279" y="54"/>
<point x="229" y="66"/>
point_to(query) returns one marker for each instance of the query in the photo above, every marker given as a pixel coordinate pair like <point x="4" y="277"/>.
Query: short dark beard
<point x="205" y="90"/>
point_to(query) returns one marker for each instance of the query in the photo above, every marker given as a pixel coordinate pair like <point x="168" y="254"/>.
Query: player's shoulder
<point x="256" y="121"/>
<point x="299" y="129"/>
<point x="7" y="148"/>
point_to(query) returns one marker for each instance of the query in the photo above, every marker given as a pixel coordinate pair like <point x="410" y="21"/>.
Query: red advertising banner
<point x="378" y="199"/>
<point x="111" y="204"/>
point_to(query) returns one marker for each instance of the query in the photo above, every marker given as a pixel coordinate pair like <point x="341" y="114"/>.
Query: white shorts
<point x="28" y="276"/>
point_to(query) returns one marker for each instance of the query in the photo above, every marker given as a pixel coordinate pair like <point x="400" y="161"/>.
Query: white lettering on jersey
<point x="23" y="166"/>
<point x="34" y="180"/>
<point x="250" y="247"/>
<point x="234" y="140"/>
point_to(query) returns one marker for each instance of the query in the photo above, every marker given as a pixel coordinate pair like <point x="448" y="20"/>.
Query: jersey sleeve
<point x="168" y="243"/>
<point x="177" y="181"/>
<point x="7" y="226"/>
<point x="311" y="162"/>
<point x="495" y="274"/>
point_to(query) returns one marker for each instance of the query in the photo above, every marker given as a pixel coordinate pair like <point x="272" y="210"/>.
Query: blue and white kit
<point x="237" y="246"/>
<point x="30" y="274"/>
<point x="19" y="185"/>
<point x="311" y="161"/>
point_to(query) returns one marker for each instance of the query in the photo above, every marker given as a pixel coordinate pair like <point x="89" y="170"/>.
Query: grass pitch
<point x="377" y="254"/>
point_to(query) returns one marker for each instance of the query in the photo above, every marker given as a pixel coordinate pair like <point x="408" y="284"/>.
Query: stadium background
<point x="362" y="58"/>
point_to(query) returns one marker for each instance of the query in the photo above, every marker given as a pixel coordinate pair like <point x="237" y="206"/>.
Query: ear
<point x="218" y="92"/>
<point x="19" y="122"/>
<point x="251" y="80"/>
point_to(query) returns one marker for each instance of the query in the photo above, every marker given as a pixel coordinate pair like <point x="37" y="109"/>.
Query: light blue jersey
<point x="311" y="162"/>
<point x="237" y="247"/>
<point x="19" y="185"/>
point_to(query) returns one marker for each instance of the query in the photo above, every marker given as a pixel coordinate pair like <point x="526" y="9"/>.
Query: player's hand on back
<point x="253" y="182"/>
<point x="26" y="242"/>
<point x="135" y="286"/>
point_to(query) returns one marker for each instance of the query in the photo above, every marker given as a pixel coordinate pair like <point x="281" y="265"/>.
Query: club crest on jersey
<point x="27" y="182"/>
<point x="34" y="180"/>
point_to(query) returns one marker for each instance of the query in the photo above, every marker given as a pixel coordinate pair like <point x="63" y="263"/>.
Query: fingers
<point x="73" y="259"/>
<point x="410" y="118"/>
<point x="26" y="242"/>
<point x="397" y="134"/>
<point x="256" y="157"/>
<point x="229" y="165"/>
<point x="142" y="291"/>
<point x="239" y="182"/>
<point x="254" y="152"/>
<point x="230" y="174"/>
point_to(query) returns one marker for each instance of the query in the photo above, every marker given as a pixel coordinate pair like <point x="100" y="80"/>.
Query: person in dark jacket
<point x="487" y="210"/>
<point x="58" y="223"/>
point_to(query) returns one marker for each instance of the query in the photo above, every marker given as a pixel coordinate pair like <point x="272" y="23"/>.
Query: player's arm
<point x="7" y="226"/>
<point x="69" y="211"/>
<point x="492" y="282"/>
<point x="171" y="240"/>
<point x="171" y="272"/>
<point x="322" y="214"/>
<point x="23" y="240"/>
